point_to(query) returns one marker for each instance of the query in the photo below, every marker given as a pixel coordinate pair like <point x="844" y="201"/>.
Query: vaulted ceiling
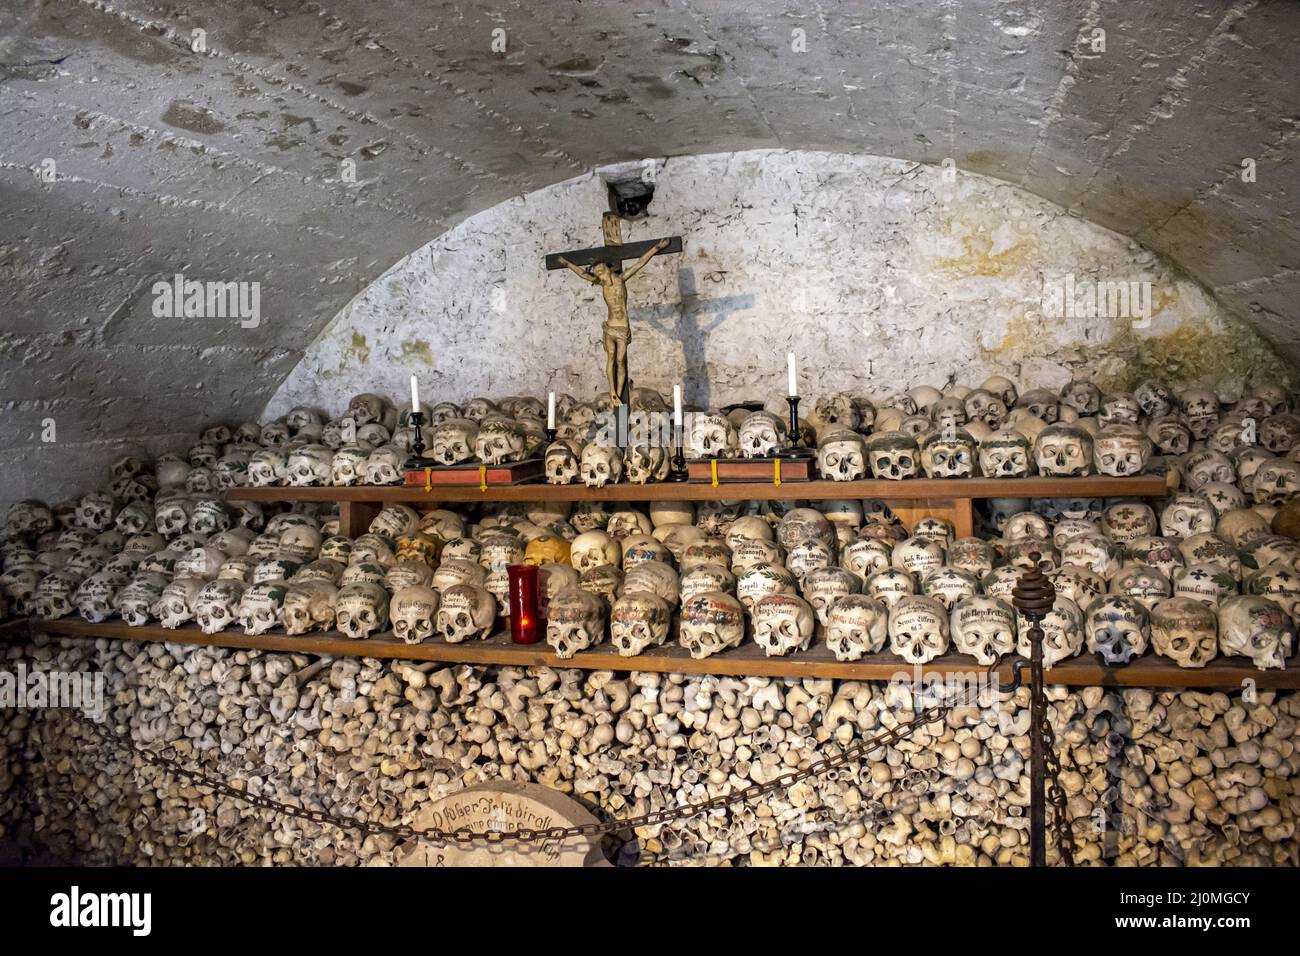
<point x="133" y="147"/>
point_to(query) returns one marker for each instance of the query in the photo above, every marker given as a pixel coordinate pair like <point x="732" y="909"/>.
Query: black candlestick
<point x="550" y="435"/>
<point x="792" y="447"/>
<point x="678" y="470"/>
<point x="417" y="459"/>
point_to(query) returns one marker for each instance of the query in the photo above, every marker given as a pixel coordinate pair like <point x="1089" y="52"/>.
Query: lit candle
<point x="789" y="361"/>
<point x="415" y="395"/>
<point x="677" y="406"/>
<point x="550" y="411"/>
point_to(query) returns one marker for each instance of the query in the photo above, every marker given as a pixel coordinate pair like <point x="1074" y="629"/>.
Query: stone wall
<point x="879" y="274"/>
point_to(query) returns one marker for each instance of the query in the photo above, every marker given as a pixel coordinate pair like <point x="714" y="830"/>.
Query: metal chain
<point x="1055" y="794"/>
<point x="167" y="759"/>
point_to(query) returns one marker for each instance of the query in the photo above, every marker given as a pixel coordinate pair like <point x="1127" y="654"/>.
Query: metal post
<point x="1033" y="596"/>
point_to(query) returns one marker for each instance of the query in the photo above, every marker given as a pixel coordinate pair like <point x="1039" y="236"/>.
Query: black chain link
<point x="1055" y="794"/>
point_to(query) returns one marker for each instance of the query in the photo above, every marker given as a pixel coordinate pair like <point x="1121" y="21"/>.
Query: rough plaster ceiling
<point x="226" y="164"/>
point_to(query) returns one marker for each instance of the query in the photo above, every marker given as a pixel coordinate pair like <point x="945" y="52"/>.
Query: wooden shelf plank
<point x="747" y="660"/>
<point x="912" y="489"/>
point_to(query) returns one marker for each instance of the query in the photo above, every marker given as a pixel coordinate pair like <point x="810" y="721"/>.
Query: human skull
<point x="918" y="628"/>
<point x="384" y="466"/>
<point x="890" y="585"/>
<point x="1207" y="466"/>
<point x="949" y="585"/>
<point x="1170" y="434"/>
<point x="711" y="621"/>
<point x="1204" y="582"/>
<point x="1084" y="397"/>
<point x="762" y="580"/>
<point x="1121" y="450"/>
<point x="600" y="465"/>
<point x="395" y="521"/>
<point x="841" y="455"/>
<point x="1118" y="410"/>
<point x="217" y="604"/>
<point x="308" y="605"/>
<point x="361" y="609"/>
<point x="783" y="622"/>
<point x="454" y="441"/>
<point x="1255" y="627"/>
<point x="856" y="624"/>
<point x="948" y="452"/>
<point x="93" y="598"/>
<point x="983" y="627"/>
<point x="1186" y="631"/>
<point x="1145" y="584"/>
<point x="310" y="465"/>
<point x="705" y="577"/>
<point x="1118" y="627"/>
<point x="1062" y="632"/>
<point x="412" y="612"/>
<point x="987" y="407"/>
<point x="259" y="607"/>
<point x="1081" y="585"/>
<point x="893" y="455"/>
<point x="1127" y="521"/>
<point x="762" y="434"/>
<point x="267" y="467"/>
<point x="1005" y="453"/>
<point x="575" y="621"/>
<point x="1063" y="451"/>
<point x="918" y="556"/>
<point x="1276" y="481"/>
<point x="822" y="587"/>
<point x="95" y="511"/>
<point x="1201" y="409"/>
<point x="643" y="463"/>
<point x="1186" y="515"/>
<point x="865" y="557"/>
<point x="637" y="620"/>
<point x="711" y="435"/>
<point x="499" y="440"/>
<point x="176" y="604"/>
<point x="466" y="611"/>
<point x="1279" y="582"/>
<point x="653" y="576"/>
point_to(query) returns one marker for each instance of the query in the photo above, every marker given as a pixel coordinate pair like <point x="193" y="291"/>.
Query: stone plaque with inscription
<point x="503" y="806"/>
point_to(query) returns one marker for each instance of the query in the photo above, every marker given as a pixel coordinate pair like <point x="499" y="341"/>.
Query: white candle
<point x="789" y="361"/>
<point x="550" y="411"/>
<point x="677" y="406"/>
<point x="415" y="395"/>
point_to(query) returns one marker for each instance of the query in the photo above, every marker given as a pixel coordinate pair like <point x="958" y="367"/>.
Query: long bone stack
<point x="1175" y="776"/>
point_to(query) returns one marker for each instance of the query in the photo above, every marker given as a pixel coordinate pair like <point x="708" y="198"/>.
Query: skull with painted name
<point x="918" y="628"/>
<point x="856" y="624"/>
<point x="575" y="621"/>
<point x="637" y="620"/>
<point x="1186" y="631"/>
<point x="1118" y="628"/>
<point x="983" y="627"/>
<point x="259" y="607"/>
<point x="783" y="622"/>
<point x="361" y="609"/>
<point x="217" y="604"/>
<point x="308" y="606"/>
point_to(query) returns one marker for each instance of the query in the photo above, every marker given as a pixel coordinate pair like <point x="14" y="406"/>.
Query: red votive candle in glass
<point x="525" y="618"/>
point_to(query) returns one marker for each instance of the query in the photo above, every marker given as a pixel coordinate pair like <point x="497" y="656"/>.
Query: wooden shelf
<point x="747" y="660"/>
<point x="911" y="489"/>
<point x="910" y="500"/>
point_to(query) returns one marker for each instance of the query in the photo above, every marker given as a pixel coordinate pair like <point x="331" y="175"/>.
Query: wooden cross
<point x="603" y="266"/>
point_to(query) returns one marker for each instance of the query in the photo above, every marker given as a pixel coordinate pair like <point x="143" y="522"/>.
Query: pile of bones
<point x="1197" y="576"/>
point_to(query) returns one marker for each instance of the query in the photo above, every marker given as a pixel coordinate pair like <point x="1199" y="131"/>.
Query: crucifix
<point x="603" y="266"/>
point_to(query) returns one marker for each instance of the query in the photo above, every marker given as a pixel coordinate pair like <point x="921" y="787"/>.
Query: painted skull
<point x="499" y="440"/>
<point x="783" y="623"/>
<point x="983" y="627"/>
<point x="466" y="611"/>
<point x="637" y="620"/>
<point x="1005" y="453"/>
<point x="1186" y="631"/>
<point x="1121" y="450"/>
<point x="948" y="452"/>
<point x="1062" y="632"/>
<point x="918" y="629"/>
<point x="841" y="455"/>
<point x="1118" y="627"/>
<point x="217" y="604"/>
<point x="1063" y="451"/>
<point x="454" y="441"/>
<point x="412" y="612"/>
<point x="361" y="609"/>
<point x="308" y="605"/>
<point x="711" y="435"/>
<point x="575" y="622"/>
<point x="259" y="607"/>
<point x="893" y="455"/>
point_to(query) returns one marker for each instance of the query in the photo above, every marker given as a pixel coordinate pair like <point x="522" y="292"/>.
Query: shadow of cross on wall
<point x="687" y="321"/>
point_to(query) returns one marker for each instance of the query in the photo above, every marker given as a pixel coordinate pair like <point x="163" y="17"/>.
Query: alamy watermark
<point x="70" y="690"/>
<point x="182" y="298"/>
<point x="1069" y="297"/>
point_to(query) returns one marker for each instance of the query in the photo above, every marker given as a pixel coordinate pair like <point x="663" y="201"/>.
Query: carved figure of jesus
<point x="617" y="331"/>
